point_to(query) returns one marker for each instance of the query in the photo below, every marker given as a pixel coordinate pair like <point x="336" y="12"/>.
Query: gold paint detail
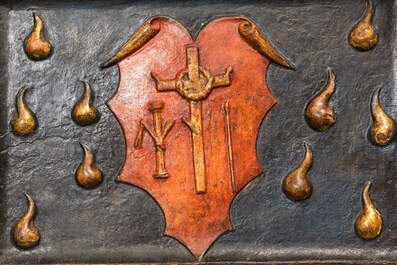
<point x="226" y="107"/>
<point x="36" y="46"/>
<point x="158" y="134"/>
<point x="297" y="186"/>
<point x="195" y="125"/>
<point x="84" y="113"/>
<point x="363" y="36"/>
<point x="255" y="38"/>
<point x="25" y="123"/>
<point x="25" y="234"/>
<point x="319" y="115"/>
<point x="369" y="223"/>
<point x="88" y="175"/>
<point x="142" y="36"/>
<point x="383" y="127"/>
<point x="195" y="84"/>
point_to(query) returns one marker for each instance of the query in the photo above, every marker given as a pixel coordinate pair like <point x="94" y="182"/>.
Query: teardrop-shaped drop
<point x="297" y="186"/>
<point x="363" y="36"/>
<point x="25" y="233"/>
<point x="25" y="123"/>
<point x="84" y="113"/>
<point x="36" y="46"/>
<point x="319" y="115"/>
<point x="369" y="223"/>
<point x="88" y="175"/>
<point x="382" y="128"/>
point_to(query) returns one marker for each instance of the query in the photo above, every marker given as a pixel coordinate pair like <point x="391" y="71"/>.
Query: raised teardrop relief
<point x="84" y="113"/>
<point x="369" y="223"/>
<point x="363" y="36"/>
<point x="297" y="186"/>
<point x="25" y="233"/>
<point x="88" y="175"/>
<point x="36" y="46"/>
<point x="319" y="115"/>
<point x="25" y="123"/>
<point x="382" y="129"/>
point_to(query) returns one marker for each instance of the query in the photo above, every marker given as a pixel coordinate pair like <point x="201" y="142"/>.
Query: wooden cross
<point x="195" y="83"/>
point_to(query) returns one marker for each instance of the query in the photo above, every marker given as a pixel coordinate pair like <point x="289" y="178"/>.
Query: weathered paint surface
<point x="118" y="223"/>
<point x="196" y="220"/>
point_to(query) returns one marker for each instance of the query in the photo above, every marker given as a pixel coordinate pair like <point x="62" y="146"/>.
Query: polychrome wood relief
<point x="189" y="82"/>
<point x="203" y="132"/>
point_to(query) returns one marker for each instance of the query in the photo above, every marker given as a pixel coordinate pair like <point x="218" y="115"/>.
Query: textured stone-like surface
<point x="121" y="223"/>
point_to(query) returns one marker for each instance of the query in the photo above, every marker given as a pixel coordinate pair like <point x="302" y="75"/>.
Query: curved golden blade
<point x="142" y="36"/>
<point x="259" y="42"/>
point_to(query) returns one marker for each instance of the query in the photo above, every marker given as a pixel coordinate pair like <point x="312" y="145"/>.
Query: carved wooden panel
<point x="198" y="131"/>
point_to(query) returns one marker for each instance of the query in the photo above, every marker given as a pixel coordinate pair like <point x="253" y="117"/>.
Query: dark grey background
<point x="121" y="223"/>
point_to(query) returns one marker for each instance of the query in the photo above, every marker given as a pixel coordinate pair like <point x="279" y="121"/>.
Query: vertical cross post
<point x="196" y="121"/>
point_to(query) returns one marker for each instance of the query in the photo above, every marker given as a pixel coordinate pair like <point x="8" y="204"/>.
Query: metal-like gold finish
<point x="144" y="34"/>
<point x="195" y="125"/>
<point x="319" y="115"/>
<point x="229" y="145"/>
<point x="195" y="84"/>
<point x="88" y="175"/>
<point x="84" y="113"/>
<point x="297" y="186"/>
<point x="25" y="123"/>
<point x="36" y="46"/>
<point x="382" y="129"/>
<point x="25" y="233"/>
<point x="369" y="223"/>
<point x="258" y="41"/>
<point x="363" y="36"/>
<point x="158" y="135"/>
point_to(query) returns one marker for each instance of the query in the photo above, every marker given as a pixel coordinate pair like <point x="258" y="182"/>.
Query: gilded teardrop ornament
<point x="25" y="122"/>
<point x="25" y="234"/>
<point x="88" y="175"/>
<point x="37" y="47"/>
<point x="382" y="128"/>
<point x="369" y="223"/>
<point x="363" y="36"/>
<point x="319" y="115"/>
<point x="84" y="113"/>
<point x="297" y="186"/>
